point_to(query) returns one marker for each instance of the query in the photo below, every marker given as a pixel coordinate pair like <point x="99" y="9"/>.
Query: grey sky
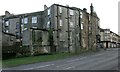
<point x="107" y="10"/>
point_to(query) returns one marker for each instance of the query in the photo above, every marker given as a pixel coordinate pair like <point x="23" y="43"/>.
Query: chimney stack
<point x="45" y="7"/>
<point x="7" y="13"/>
<point x="84" y="9"/>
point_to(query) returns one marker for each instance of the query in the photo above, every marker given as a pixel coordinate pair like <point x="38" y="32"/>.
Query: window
<point x="7" y="31"/>
<point x="34" y="19"/>
<point x="22" y="27"/>
<point x="25" y="20"/>
<point x="25" y="29"/>
<point x="11" y="38"/>
<point x="89" y="28"/>
<point x="17" y="35"/>
<point x="22" y="21"/>
<point x="81" y="15"/>
<point x="71" y="24"/>
<point x="71" y="12"/>
<point x="60" y="9"/>
<point x="61" y="35"/>
<point x="48" y="24"/>
<point x="61" y="24"/>
<point x="17" y="25"/>
<point x="77" y="35"/>
<point x="107" y="31"/>
<point x="81" y="26"/>
<point x="49" y="11"/>
<point x="7" y="23"/>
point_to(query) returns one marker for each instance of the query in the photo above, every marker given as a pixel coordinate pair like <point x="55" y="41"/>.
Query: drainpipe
<point x="80" y="35"/>
<point x="31" y="46"/>
<point x="58" y="29"/>
<point x="68" y="29"/>
<point x="20" y="32"/>
<point x="75" y="34"/>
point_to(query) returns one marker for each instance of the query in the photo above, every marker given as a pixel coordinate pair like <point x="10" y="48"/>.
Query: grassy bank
<point x="40" y="58"/>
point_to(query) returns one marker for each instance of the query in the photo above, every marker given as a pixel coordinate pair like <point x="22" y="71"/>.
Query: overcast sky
<point x="107" y="10"/>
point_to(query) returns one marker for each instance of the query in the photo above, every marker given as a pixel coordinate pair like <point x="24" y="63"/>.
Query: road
<point x="102" y="60"/>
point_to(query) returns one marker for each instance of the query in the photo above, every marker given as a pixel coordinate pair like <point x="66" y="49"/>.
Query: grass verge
<point x="41" y="58"/>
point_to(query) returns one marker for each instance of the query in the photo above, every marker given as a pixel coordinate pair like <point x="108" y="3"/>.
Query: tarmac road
<point x="102" y="60"/>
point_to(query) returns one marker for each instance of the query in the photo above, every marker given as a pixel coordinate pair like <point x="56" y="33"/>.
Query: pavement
<point x="102" y="60"/>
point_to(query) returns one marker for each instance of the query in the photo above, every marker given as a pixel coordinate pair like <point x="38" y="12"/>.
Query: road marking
<point x="73" y="60"/>
<point x="76" y="59"/>
<point x="68" y="67"/>
<point x="38" y="67"/>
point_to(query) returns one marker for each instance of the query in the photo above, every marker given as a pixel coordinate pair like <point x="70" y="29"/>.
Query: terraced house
<point x="109" y="39"/>
<point x="56" y="29"/>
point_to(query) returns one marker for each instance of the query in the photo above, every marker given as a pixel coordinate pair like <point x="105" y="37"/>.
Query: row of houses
<point x="109" y="39"/>
<point x="56" y="29"/>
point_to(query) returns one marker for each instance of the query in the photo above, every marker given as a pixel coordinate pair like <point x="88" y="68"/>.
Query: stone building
<point x="109" y="39"/>
<point x="84" y="28"/>
<point x="64" y="24"/>
<point x="56" y="29"/>
<point x="118" y="42"/>
<point x="93" y="28"/>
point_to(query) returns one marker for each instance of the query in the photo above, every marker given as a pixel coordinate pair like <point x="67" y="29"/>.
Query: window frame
<point x="7" y="31"/>
<point x="71" y="24"/>
<point x="7" y="23"/>
<point x="34" y="19"/>
<point x="60" y="9"/>
<point x="48" y="11"/>
<point x="71" y="12"/>
<point x="17" y="25"/>
<point x="82" y="26"/>
<point x="48" y="24"/>
<point x="61" y="22"/>
<point x="25" y="20"/>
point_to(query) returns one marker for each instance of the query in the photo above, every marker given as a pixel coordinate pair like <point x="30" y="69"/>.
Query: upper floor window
<point x="7" y="31"/>
<point x="71" y="24"/>
<point x="25" y="28"/>
<point x="81" y="15"/>
<point x="107" y="31"/>
<point x="34" y="19"/>
<point x="17" y="35"/>
<point x="48" y="11"/>
<point x="25" y="20"/>
<point x="81" y="26"/>
<point x="48" y="24"/>
<point x="61" y="36"/>
<point x="22" y="21"/>
<point x="22" y="28"/>
<point x="7" y="23"/>
<point x="71" y="12"/>
<point x="17" y="26"/>
<point x="60" y="9"/>
<point x="61" y="24"/>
